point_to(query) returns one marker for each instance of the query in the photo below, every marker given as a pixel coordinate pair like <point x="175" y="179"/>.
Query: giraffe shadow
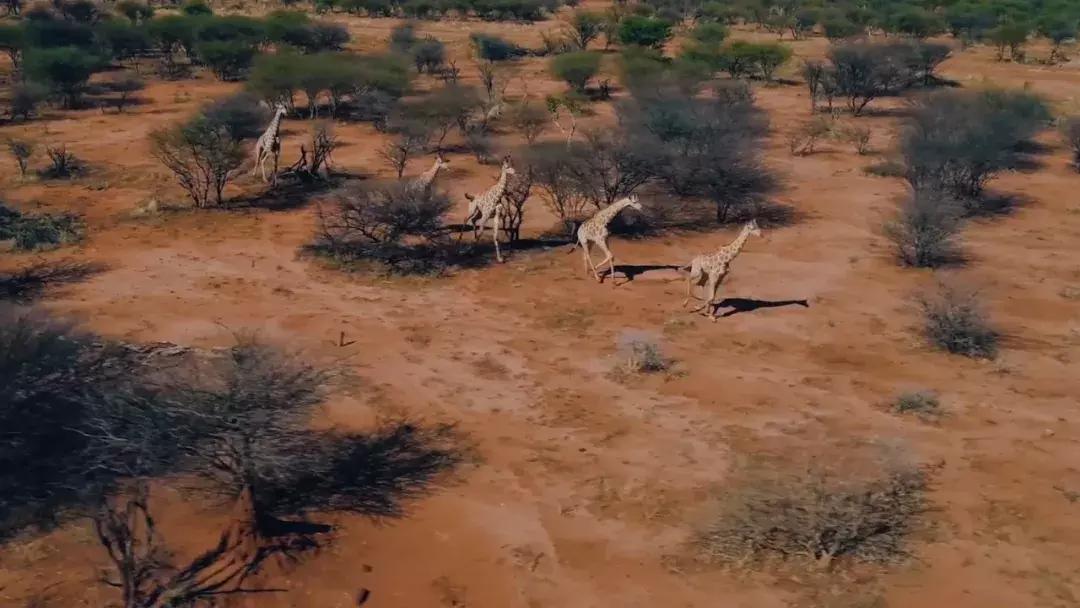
<point x="740" y="305"/>
<point x="631" y="271"/>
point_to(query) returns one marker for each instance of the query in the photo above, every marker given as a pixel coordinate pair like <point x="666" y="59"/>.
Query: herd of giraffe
<point x="706" y="270"/>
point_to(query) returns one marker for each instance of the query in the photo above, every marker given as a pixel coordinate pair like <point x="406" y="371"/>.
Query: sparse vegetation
<point x="956" y="322"/>
<point x="125" y="87"/>
<point x="815" y="514"/>
<point x="803" y="139"/>
<point x="925" y="230"/>
<point x="21" y="150"/>
<point x="36" y="232"/>
<point x="923" y="404"/>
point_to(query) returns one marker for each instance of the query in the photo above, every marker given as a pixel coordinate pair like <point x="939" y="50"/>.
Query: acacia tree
<point x="202" y="155"/>
<point x="707" y="148"/>
<point x="608" y="166"/>
<point x="584" y="27"/>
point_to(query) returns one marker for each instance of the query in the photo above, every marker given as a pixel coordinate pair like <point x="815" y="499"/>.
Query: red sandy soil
<point x="587" y="489"/>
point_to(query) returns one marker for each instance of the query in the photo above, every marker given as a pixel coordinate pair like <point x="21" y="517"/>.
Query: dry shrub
<point x="925" y="229"/>
<point x="770" y="511"/>
<point x="641" y="353"/>
<point x="956" y="322"/>
<point x="857" y="136"/>
<point x="64" y="165"/>
<point x="924" y="404"/>
<point x="805" y="137"/>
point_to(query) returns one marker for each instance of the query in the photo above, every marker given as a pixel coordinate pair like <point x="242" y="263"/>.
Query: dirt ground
<point x="587" y="488"/>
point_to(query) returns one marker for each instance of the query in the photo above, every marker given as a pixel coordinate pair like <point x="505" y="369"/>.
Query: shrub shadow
<point x="28" y="283"/>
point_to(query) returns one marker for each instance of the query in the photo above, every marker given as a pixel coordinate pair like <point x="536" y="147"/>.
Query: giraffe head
<point x="507" y="167"/>
<point x="280" y="111"/>
<point x="752" y="227"/>
<point x="441" y="162"/>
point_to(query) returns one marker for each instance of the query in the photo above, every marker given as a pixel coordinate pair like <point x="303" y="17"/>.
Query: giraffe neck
<point x="609" y="213"/>
<point x="500" y="186"/>
<point x="274" y="128"/>
<point x="736" y="246"/>
<point x="429" y="175"/>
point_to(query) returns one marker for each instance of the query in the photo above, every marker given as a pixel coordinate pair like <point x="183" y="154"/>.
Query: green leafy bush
<point x="228" y="60"/>
<point x="643" y="31"/>
<point x="65" y="70"/>
<point x="576" y="68"/>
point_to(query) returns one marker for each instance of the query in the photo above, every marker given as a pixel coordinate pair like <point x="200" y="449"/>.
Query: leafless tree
<point x="404" y="146"/>
<point x="202" y="155"/>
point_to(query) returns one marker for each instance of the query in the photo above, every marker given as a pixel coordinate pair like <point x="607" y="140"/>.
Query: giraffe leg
<point x="586" y="251"/>
<point x="480" y="225"/>
<point x="469" y="219"/>
<point x="710" y="288"/>
<point x="258" y="157"/>
<point x="713" y="304"/>
<point x="262" y="166"/>
<point x="693" y="279"/>
<point x="609" y="258"/>
<point x="495" y="226"/>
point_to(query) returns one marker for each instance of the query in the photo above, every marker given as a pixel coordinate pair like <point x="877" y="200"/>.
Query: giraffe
<point x="489" y="205"/>
<point x="595" y="231"/>
<point x="269" y="144"/>
<point x="711" y="268"/>
<point x="423" y="182"/>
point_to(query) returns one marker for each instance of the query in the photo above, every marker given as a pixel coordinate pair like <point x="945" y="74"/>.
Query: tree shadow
<point x="372" y="474"/>
<point x="28" y="283"/>
<point x="288" y="194"/>
<point x="741" y="305"/>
